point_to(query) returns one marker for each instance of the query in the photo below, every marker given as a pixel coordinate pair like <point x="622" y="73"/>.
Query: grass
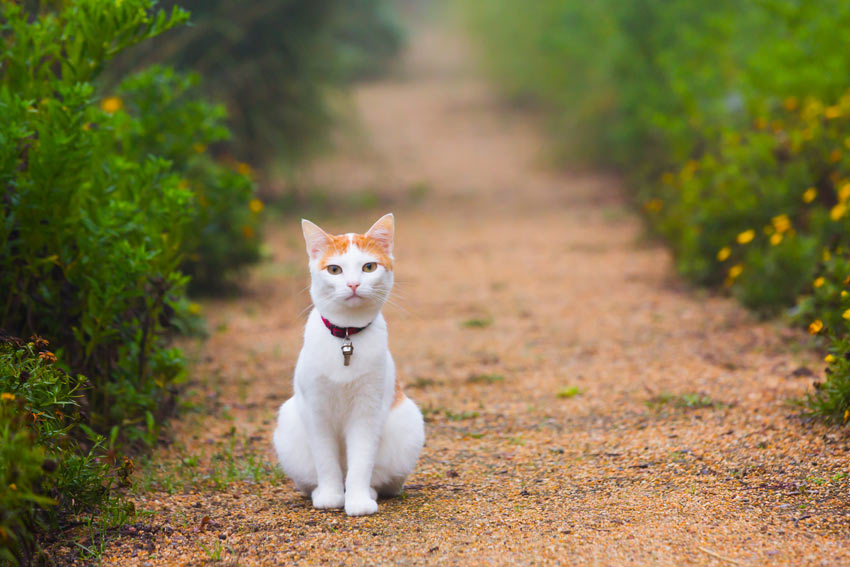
<point x="485" y="378"/>
<point x="569" y="392"/>
<point x="688" y="400"/>
<point x="477" y="322"/>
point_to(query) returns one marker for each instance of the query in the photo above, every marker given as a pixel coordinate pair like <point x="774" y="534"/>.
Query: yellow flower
<point x="844" y="293"/>
<point x="256" y="206"/>
<point x="837" y="211"/>
<point x="846" y="314"/>
<point x="6" y="396"/>
<point x="847" y="143"/>
<point x="760" y="123"/>
<point x="826" y="255"/>
<point x="810" y="194"/>
<point x="13" y="486"/>
<point x="829" y="359"/>
<point x="244" y="169"/>
<point x="815" y="327"/>
<point x="818" y="282"/>
<point x="775" y="239"/>
<point x="735" y="271"/>
<point x="832" y="112"/>
<point x="846" y="415"/>
<point x="194" y="308"/>
<point x="781" y="223"/>
<point x="724" y="253"/>
<point x="654" y="205"/>
<point x="199" y="147"/>
<point x="835" y="156"/>
<point x="247" y="232"/>
<point x="844" y="192"/>
<point x="746" y="236"/>
<point x="790" y="103"/>
<point x="111" y="104"/>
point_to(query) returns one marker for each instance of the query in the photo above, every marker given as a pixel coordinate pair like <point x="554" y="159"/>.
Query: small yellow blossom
<point x="815" y="327"/>
<point x="244" y="169"/>
<point x="832" y="112"/>
<point x="654" y="205"/>
<point x="835" y="156"/>
<point x="735" y="271"/>
<point x="844" y="293"/>
<point x="846" y="415"/>
<point x="13" y="487"/>
<point x="87" y="126"/>
<point x="194" y="308"/>
<point x="781" y="223"/>
<point x="846" y="314"/>
<point x="810" y="195"/>
<point x="838" y="211"/>
<point x="847" y="143"/>
<point x="776" y="239"/>
<point x="844" y="192"/>
<point x="829" y="359"/>
<point x="247" y="232"/>
<point x="825" y="256"/>
<point x="6" y="396"/>
<point x="111" y="104"/>
<point x="746" y="236"/>
<point x="791" y="103"/>
<point x="199" y="147"/>
<point x="760" y="123"/>
<point x="256" y="206"/>
<point x="724" y="253"/>
<point x="47" y="356"/>
<point x="818" y="282"/>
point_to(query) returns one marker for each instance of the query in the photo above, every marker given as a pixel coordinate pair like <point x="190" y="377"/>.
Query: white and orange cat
<point x="348" y="434"/>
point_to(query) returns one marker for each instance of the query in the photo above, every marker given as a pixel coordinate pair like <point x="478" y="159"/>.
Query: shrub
<point x="276" y="64"/>
<point x="46" y="473"/>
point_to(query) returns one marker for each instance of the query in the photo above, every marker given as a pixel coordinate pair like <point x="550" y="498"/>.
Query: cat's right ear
<point x="317" y="239"/>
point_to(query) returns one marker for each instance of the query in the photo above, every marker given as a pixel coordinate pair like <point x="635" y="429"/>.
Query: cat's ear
<point x="382" y="232"/>
<point x="317" y="239"/>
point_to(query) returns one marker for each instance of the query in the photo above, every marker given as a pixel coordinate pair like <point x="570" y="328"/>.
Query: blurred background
<point x="145" y="145"/>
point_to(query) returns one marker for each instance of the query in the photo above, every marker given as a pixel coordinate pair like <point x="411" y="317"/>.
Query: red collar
<point x="342" y="332"/>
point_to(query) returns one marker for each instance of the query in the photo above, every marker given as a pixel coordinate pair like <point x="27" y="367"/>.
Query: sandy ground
<point x="584" y="406"/>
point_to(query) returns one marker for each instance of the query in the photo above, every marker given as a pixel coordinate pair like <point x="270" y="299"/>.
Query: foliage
<point x="274" y="63"/>
<point x="732" y="122"/>
<point x="46" y="472"/>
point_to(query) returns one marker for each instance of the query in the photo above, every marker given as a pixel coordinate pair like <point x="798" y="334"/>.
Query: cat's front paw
<point x="324" y="498"/>
<point x="360" y="505"/>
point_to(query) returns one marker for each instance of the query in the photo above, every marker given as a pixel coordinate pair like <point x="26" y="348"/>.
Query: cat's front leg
<point x="361" y="447"/>
<point x="329" y="491"/>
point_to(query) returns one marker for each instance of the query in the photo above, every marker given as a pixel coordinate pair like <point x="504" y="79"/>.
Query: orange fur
<point x="339" y="245"/>
<point x="399" y="395"/>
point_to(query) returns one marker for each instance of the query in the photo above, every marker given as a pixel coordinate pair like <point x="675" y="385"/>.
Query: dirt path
<point x="584" y="406"/>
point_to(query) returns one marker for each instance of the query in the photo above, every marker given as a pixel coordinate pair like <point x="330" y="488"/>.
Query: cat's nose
<point x="354" y="286"/>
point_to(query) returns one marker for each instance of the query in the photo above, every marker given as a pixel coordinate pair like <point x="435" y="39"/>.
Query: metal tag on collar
<point x="347" y="349"/>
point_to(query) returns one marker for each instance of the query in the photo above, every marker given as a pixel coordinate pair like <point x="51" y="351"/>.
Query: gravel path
<point x="584" y="406"/>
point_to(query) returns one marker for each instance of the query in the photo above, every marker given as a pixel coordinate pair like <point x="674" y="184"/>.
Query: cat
<point x="348" y="434"/>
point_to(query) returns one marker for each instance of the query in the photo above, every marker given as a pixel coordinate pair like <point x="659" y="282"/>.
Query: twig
<point x="718" y="556"/>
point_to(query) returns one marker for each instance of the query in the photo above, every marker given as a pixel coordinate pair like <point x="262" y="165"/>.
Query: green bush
<point x="46" y="473"/>
<point x="732" y="123"/>
<point x="276" y="65"/>
<point x="105" y="198"/>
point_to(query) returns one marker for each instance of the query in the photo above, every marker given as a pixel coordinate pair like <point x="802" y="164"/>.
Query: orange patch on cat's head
<point x="377" y="241"/>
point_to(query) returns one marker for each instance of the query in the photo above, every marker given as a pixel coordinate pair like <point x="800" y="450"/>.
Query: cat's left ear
<point x="382" y="232"/>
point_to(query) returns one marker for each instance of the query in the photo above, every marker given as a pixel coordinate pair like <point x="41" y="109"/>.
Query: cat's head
<point x="352" y="274"/>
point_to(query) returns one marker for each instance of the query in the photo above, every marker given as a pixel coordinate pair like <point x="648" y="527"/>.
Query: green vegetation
<point x="569" y="392"/>
<point x="732" y="123"/>
<point x="276" y="65"/>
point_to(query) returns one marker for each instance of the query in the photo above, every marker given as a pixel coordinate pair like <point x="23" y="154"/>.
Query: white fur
<point x="338" y="438"/>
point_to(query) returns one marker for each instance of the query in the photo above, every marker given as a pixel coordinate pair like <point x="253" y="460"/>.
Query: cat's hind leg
<point x="398" y="451"/>
<point x="293" y="450"/>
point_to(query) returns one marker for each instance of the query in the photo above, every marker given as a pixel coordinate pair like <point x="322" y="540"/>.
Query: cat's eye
<point x="334" y="270"/>
<point x="370" y="266"/>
